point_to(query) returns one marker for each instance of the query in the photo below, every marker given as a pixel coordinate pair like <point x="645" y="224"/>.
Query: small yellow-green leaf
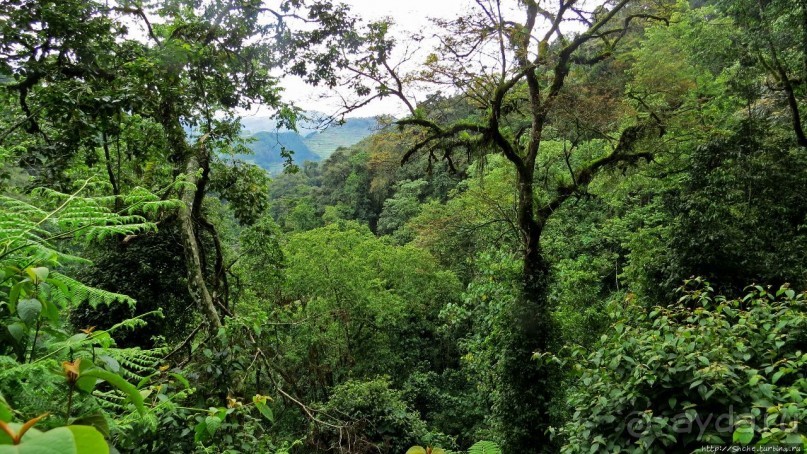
<point x="37" y="274"/>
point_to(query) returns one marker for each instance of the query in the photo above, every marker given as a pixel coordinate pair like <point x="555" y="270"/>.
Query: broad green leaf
<point x="38" y="274"/>
<point x="62" y="440"/>
<point x="14" y="295"/>
<point x="88" y="440"/>
<point x="212" y="424"/>
<point x="50" y="310"/>
<point x="416" y="450"/>
<point x="76" y="339"/>
<point x="180" y="379"/>
<point x="96" y="420"/>
<point x="111" y="364"/>
<point x="56" y="441"/>
<point x="28" y="310"/>
<point x="17" y="330"/>
<point x="795" y="439"/>
<point x="743" y="434"/>
<point x="200" y="432"/>
<point x="5" y="410"/>
<point x="86" y="384"/>
<point x="265" y="411"/>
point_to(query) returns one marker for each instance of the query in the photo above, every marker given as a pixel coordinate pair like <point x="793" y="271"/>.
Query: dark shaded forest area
<point x="586" y="233"/>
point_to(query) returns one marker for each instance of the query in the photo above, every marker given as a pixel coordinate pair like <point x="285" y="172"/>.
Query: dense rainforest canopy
<point x="586" y="232"/>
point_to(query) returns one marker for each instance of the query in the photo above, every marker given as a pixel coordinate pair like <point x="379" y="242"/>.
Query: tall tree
<point x="543" y="90"/>
<point x="775" y="37"/>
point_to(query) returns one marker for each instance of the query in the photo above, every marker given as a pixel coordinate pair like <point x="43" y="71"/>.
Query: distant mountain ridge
<point x="324" y="143"/>
<point x="267" y="146"/>
<point x="313" y="145"/>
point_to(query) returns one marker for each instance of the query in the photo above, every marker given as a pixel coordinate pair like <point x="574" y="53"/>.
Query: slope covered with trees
<point x="267" y="150"/>
<point x="588" y="233"/>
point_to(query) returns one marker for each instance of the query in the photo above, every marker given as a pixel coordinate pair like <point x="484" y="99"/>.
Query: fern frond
<point x="78" y="293"/>
<point x="137" y="364"/>
<point x="485" y="447"/>
<point x="110" y="401"/>
<point x="135" y="322"/>
<point x="21" y="208"/>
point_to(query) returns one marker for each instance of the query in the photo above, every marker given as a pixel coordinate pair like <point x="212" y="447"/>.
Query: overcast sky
<point x="409" y="16"/>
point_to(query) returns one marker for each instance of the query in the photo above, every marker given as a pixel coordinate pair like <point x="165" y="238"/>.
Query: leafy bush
<point x="706" y="369"/>
<point x="377" y="420"/>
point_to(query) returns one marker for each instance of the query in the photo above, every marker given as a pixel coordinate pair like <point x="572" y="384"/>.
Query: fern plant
<point x="45" y="366"/>
<point x="33" y="229"/>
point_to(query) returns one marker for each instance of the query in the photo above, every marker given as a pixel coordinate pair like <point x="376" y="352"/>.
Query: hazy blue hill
<point x="267" y="145"/>
<point x="315" y="146"/>
<point x="324" y="143"/>
<point x="258" y="123"/>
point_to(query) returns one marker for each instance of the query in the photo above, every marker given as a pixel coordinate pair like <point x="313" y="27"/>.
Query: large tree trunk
<point x="193" y="258"/>
<point x="196" y="162"/>
<point x="525" y="383"/>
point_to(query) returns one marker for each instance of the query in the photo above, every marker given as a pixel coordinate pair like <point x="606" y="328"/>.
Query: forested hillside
<point x="585" y="232"/>
<point x="350" y="132"/>
<point x="271" y="150"/>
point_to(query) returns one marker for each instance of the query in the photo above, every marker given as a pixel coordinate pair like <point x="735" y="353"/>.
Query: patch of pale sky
<point x="409" y="16"/>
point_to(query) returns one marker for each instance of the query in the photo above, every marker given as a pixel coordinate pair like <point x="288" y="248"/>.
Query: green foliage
<point x="31" y="230"/>
<point x="484" y="447"/>
<point x="479" y="212"/>
<point x="480" y="447"/>
<point x="427" y="450"/>
<point x="244" y="187"/>
<point x="362" y="300"/>
<point x="261" y="261"/>
<point x="345" y="180"/>
<point x="377" y="419"/>
<point x="383" y="305"/>
<point x="302" y="217"/>
<point x="155" y="258"/>
<point x="733" y="185"/>
<point x="73" y="439"/>
<point x="705" y="369"/>
<point x="585" y="248"/>
<point x="398" y="209"/>
<point x="131" y="393"/>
